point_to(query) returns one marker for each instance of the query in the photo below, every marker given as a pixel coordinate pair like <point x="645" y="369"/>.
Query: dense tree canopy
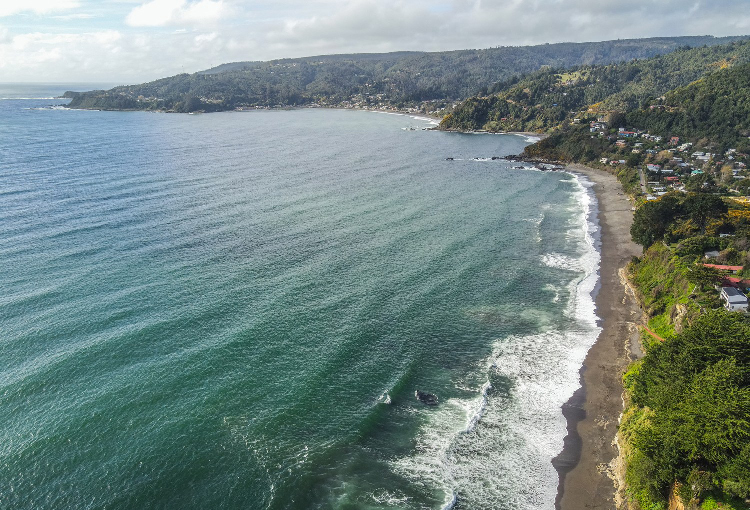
<point x="696" y="388"/>
<point x="542" y="100"/>
<point x="651" y="221"/>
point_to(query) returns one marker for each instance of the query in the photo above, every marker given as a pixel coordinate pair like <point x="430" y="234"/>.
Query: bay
<point x="235" y="310"/>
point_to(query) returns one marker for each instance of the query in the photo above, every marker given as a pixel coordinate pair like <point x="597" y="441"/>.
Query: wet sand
<point x="585" y="464"/>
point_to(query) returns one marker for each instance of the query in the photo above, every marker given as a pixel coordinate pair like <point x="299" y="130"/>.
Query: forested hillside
<point x="394" y="79"/>
<point x="716" y="107"/>
<point x="544" y="99"/>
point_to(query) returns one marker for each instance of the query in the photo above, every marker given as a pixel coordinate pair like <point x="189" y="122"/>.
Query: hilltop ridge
<point x="420" y="81"/>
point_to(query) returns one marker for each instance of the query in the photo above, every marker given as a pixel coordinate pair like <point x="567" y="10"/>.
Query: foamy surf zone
<point x="503" y="440"/>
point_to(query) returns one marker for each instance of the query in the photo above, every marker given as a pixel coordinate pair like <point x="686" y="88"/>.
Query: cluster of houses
<point x="684" y="162"/>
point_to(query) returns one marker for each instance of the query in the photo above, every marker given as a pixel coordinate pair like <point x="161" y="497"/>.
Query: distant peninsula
<point x="424" y="82"/>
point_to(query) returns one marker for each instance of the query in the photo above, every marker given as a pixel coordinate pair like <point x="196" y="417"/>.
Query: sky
<point x="132" y="41"/>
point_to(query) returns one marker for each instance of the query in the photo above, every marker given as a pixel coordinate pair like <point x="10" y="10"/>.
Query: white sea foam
<point x="495" y="450"/>
<point x="551" y="288"/>
<point x="560" y="261"/>
<point x="529" y="138"/>
<point x="389" y="498"/>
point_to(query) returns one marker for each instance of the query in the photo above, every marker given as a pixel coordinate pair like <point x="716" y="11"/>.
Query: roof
<point x="734" y="296"/>
<point x="734" y="281"/>
<point x="724" y="268"/>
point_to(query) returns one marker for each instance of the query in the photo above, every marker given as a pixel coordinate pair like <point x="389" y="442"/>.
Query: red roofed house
<point x="731" y="269"/>
<point x="731" y="281"/>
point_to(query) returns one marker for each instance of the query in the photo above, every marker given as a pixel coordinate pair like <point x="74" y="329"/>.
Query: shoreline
<point x="585" y="465"/>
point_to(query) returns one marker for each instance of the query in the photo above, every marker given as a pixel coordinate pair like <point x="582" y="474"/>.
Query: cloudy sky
<point x="130" y="41"/>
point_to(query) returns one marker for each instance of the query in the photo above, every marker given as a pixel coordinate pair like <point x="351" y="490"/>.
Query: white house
<point x="734" y="300"/>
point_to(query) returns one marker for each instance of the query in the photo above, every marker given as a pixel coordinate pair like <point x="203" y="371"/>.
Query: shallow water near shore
<point x="235" y="310"/>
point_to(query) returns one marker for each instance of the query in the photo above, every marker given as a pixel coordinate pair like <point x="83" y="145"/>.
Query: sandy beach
<point x="584" y="466"/>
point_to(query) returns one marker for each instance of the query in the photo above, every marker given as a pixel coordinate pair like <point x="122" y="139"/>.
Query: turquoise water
<point x="235" y="310"/>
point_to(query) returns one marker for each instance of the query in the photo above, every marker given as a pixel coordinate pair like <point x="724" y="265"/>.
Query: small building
<point x="674" y="140"/>
<point x="734" y="300"/>
<point x="711" y="254"/>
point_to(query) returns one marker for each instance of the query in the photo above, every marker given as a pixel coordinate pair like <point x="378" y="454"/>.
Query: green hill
<point x="543" y="100"/>
<point x="396" y="79"/>
<point x="715" y="108"/>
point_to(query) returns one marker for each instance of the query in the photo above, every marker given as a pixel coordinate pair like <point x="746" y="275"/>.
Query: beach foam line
<point x="496" y="450"/>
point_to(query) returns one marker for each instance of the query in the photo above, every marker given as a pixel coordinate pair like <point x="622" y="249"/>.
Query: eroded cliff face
<point x="679" y="312"/>
<point x="676" y="502"/>
<point x="617" y="473"/>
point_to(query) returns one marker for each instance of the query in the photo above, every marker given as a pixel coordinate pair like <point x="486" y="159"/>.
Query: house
<point x="674" y="140"/>
<point x="734" y="300"/>
<point x="711" y="254"/>
<point x="731" y="269"/>
<point x="653" y="168"/>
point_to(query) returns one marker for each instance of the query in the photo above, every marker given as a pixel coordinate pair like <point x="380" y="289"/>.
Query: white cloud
<point x="107" y="56"/>
<point x="205" y="38"/>
<point x="80" y="15"/>
<point x="11" y="7"/>
<point x="204" y="33"/>
<point x="159" y="13"/>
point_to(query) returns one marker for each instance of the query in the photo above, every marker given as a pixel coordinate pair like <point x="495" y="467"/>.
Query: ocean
<point x="235" y="310"/>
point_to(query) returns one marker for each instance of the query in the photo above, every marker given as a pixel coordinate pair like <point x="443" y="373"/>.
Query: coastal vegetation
<point x="686" y="429"/>
<point x="423" y="81"/>
<point x="544" y="100"/>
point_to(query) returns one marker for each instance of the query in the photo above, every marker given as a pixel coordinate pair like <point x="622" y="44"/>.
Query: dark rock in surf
<point x="426" y="398"/>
